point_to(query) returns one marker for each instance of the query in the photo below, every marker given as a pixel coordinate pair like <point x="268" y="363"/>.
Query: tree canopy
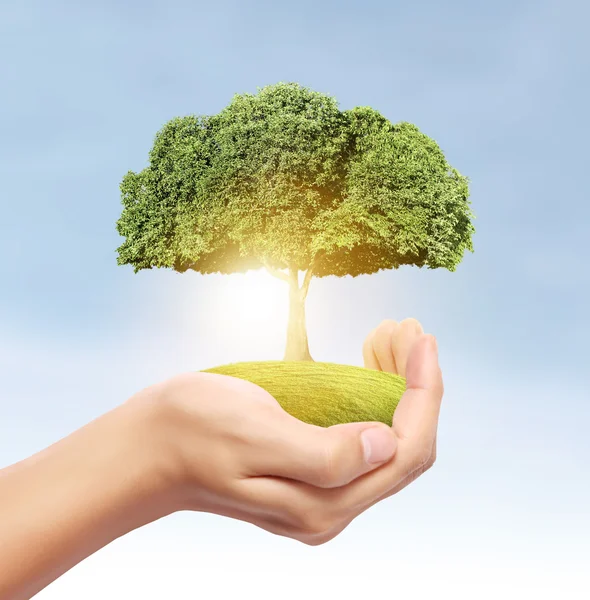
<point x="283" y="178"/>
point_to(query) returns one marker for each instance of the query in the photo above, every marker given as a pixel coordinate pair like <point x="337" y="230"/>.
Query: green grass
<point x="322" y="393"/>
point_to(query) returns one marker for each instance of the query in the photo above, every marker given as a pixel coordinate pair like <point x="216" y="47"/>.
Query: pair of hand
<point x="232" y="450"/>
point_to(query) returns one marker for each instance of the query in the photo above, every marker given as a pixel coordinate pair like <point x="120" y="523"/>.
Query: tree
<point x="283" y="179"/>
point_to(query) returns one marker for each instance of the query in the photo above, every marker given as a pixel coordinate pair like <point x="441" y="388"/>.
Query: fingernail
<point x="379" y="444"/>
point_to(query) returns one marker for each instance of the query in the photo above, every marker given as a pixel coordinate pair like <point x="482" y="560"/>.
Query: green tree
<point x="285" y="180"/>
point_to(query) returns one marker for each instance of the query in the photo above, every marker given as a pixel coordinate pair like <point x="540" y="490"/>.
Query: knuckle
<point x="368" y="343"/>
<point x="386" y="324"/>
<point x="433" y="456"/>
<point x="316" y="513"/>
<point x="316" y="540"/>
<point x="307" y="518"/>
<point x="439" y="387"/>
<point x="427" y="465"/>
<point x="384" y="331"/>
<point x="327" y="472"/>
<point x="423" y="457"/>
<point x="315" y="525"/>
<point x="411" y="324"/>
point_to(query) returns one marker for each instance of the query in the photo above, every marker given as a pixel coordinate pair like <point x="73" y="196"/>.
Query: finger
<point x="294" y="505"/>
<point x="292" y="509"/>
<point x="417" y="412"/>
<point x="415" y="424"/>
<point x="261" y="506"/>
<point x="369" y="357"/>
<point x="323" y="457"/>
<point x="405" y="482"/>
<point x="405" y="336"/>
<point x="382" y="345"/>
<point x="306" y="513"/>
<point x="303" y="512"/>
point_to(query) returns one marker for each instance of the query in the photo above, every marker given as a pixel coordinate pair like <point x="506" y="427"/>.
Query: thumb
<point x="328" y="457"/>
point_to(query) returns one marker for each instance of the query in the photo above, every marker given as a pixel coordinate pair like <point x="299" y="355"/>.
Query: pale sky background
<point x="503" y="87"/>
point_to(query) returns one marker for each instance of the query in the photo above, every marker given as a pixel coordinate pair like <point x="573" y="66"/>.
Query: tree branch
<point x="306" y="280"/>
<point x="275" y="272"/>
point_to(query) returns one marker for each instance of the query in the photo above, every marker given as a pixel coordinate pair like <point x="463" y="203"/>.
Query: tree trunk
<point x="297" y="344"/>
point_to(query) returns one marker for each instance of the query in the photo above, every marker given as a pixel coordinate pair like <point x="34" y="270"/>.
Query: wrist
<point x="146" y="421"/>
<point x="175" y="440"/>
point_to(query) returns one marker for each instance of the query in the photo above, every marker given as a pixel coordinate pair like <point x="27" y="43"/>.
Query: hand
<point x="403" y="349"/>
<point x="218" y="444"/>
<point x="234" y="451"/>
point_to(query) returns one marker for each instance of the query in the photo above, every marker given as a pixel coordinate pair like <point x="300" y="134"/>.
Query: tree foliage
<point x="284" y="178"/>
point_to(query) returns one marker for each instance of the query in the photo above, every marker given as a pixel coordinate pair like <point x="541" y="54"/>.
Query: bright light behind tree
<point x="250" y="306"/>
<point x="256" y="298"/>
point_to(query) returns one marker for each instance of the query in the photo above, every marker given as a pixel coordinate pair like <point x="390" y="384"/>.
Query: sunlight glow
<point x="248" y="309"/>
<point x="255" y="297"/>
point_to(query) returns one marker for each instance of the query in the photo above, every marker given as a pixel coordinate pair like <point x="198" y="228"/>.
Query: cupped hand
<point x="403" y="349"/>
<point x="230" y="449"/>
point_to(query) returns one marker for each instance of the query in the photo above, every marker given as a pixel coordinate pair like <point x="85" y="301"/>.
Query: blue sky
<point x="503" y="88"/>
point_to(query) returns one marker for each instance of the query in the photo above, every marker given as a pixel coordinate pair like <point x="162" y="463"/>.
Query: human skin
<point x="212" y="443"/>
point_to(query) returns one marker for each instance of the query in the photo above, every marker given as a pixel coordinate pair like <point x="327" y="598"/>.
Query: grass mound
<point x="322" y="393"/>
